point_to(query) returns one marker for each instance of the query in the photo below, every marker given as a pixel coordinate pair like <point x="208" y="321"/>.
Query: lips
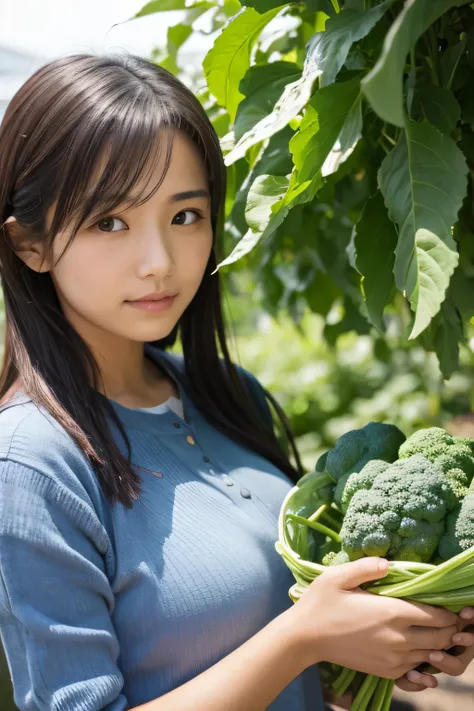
<point x="155" y="297"/>
<point x="153" y="303"/>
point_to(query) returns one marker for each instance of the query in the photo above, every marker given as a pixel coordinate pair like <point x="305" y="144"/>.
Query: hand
<point x="336" y="621"/>
<point x="453" y="663"/>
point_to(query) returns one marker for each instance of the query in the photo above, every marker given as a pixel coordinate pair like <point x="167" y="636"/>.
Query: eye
<point x="183" y="212"/>
<point x="106" y="224"/>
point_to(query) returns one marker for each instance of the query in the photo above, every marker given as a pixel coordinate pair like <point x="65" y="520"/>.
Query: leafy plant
<point x="348" y="131"/>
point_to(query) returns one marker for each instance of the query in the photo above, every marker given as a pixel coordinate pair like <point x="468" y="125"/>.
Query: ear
<point x="31" y="252"/>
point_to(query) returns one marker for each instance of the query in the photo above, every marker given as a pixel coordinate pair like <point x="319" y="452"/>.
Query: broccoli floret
<point x="355" y="448"/>
<point x="361" y="480"/>
<point x="439" y="446"/>
<point x="459" y="482"/>
<point x="336" y="558"/>
<point x="459" y="530"/>
<point x="402" y="515"/>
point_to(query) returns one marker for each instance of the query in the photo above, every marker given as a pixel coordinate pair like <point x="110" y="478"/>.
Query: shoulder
<point x="34" y="446"/>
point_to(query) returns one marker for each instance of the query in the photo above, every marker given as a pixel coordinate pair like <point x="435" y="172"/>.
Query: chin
<point x="150" y="334"/>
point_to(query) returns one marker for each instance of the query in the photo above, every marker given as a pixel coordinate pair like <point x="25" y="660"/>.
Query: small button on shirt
<point x="113" y="607"/>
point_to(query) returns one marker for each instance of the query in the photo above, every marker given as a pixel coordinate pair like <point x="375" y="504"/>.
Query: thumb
<point x="351" y="575"/>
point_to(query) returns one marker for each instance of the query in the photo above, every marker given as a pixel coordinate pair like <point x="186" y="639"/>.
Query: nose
<point x="156" y="257"/>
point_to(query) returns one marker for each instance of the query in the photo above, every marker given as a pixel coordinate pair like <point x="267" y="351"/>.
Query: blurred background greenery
<point x="329" y="388"/>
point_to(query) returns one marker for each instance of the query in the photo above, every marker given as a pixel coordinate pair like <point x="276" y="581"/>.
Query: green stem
<point x="364" y="694"/>
<point x="343" y="681"/>
<point x="455" y="600"/>
<point x="388" y="696"/>
<point x="379" y="697"/>
<point x="316" y="526"/>
<point x="336" y="525"/>
<point x="317" y="513"/>
<point x="422" y="584"/>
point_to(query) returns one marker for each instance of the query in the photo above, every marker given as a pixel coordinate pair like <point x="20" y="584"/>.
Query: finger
<point x="446" y="663"/>
<point x="406" y="685"/>
<point x="463" y="639"/>
<point x="416" y="613"/>
<point x="464" y="626"/>
<point x="419" y="659"/>
<point x="464" y="655"/>
<point x="426" y="681"/>
<point x="467" y="613"/>
<point x="431" y="637"/>
<point x="349" y="576"/>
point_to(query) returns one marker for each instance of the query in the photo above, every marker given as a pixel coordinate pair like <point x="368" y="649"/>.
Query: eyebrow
<point x="188" y="195"/>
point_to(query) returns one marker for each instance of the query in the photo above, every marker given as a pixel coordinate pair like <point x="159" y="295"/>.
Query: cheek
<point x="192" y="257"/>
<point x="84" y="276"/>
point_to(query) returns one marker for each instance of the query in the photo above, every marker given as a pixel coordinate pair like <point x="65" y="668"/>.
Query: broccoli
<point x="323" y="487"/>
<point x="335" y="558"/>
<point x="361" y="480"/>
<point x="439" y="446"/>
<point x="459" y="533"/>
<point x="351" y="452"/>
<point x="402" y="515"/>
<point x="355" y="448"/>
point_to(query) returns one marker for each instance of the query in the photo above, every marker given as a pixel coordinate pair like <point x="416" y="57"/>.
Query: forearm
<point x="249" y="678"/>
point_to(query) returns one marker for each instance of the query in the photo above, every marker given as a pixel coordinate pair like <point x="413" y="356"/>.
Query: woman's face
<point x="160" y="246"/>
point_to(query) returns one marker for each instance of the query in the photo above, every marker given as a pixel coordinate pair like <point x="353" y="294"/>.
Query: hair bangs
<point x="108" y="161"/>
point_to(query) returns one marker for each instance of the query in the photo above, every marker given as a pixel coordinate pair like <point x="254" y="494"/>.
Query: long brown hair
<point x="52" y="141"/>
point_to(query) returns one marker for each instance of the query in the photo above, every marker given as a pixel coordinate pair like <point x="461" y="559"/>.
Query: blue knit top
<point x="104" y="607"/>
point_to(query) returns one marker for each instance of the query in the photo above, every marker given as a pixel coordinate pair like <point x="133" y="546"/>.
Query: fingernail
<point x="464" y="638"/>
<point x="467" y="613"/>
<point x="414" y="676"/>
<point x="436" y="657"/>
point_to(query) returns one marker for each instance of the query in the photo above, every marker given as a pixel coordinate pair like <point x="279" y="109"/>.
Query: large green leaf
<point x="424" y="181"/>
<point x="383" y="86"/>
<point x="229" y="59"/>
<point x="269" y="201"/>
<point x="347" y="139"/>
<point x="318" y="142"/>
<point x="327" y="52"/>
<point x="264" y="202"/>
<point x="262" y="86"/>
<point x="375" y="242"/>
<point x="321" y="293"/>
<point x="177" y="35"/>
<point x="313" y="147"/>
<point x="329" y="49"/>
<point x="262" y="6"/>
<point x="444" y="334"/>
<point x="450" y="60"/>
<point x="320" y="6"/>
<point x="166" y="5"/>
<point x="275" y="160"/>
<point x="437" y="105"/>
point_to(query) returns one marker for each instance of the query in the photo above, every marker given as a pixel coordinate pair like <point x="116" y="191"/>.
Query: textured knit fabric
<point x="104" y="607"/>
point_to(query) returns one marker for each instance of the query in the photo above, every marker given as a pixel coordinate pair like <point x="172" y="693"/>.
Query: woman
<point x="139" y="490"/>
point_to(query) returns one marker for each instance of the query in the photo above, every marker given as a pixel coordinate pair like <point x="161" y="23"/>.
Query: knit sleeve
<point x="55" y="598"/>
